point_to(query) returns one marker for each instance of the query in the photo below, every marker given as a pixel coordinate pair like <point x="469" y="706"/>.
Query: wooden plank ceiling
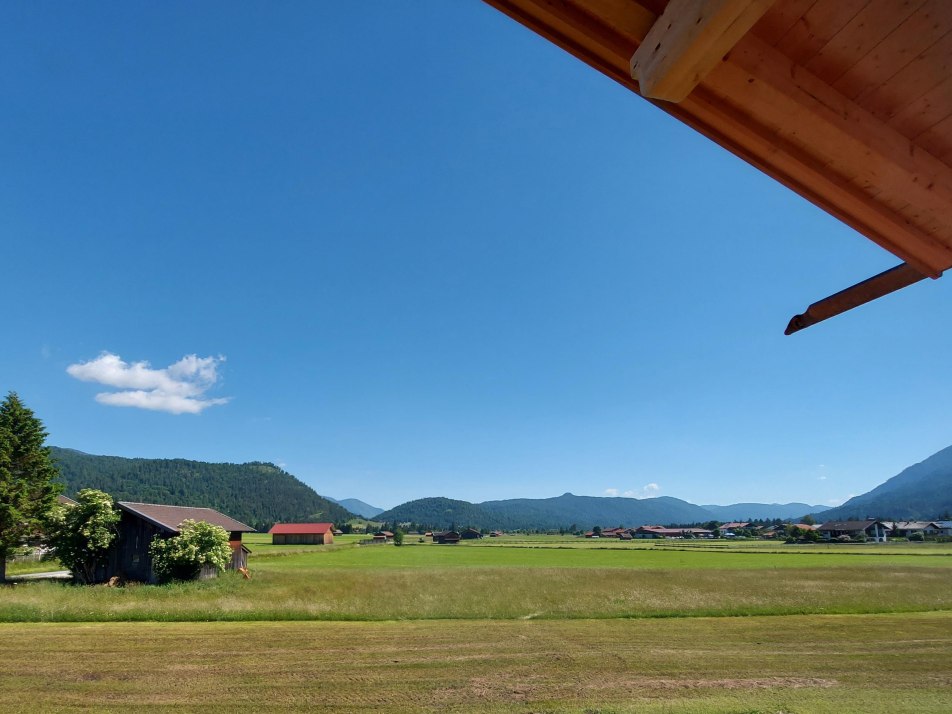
<point x="846" y="102"/>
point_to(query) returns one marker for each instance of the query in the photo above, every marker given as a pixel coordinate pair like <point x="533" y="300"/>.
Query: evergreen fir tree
<point x="28" y="478"/>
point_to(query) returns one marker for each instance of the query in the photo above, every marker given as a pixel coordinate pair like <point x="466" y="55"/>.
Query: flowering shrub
<point x="81" y="536"/>
<point x="182" y="557"/>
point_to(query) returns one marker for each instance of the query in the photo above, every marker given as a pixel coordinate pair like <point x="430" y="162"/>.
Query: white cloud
<point x="649" y="490"/>
<point x="178" y="389"/>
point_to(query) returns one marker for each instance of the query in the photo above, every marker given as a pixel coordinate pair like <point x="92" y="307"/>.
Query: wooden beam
<point x="890" y="281"/>
<point x="689" y="39"/>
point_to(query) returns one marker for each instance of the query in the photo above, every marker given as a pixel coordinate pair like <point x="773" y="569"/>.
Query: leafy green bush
<point x="80" y="536"/>
<point x="182" y="557"/>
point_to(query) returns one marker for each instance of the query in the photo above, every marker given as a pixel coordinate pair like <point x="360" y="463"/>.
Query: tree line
<point x="258" y="494"/>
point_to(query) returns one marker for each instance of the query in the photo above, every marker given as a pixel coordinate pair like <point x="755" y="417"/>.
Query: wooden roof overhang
<point x="846" y="102"/>
<point x="169" y="518"/>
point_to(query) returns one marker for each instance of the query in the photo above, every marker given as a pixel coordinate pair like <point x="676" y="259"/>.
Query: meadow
<point x="526" y="624"/>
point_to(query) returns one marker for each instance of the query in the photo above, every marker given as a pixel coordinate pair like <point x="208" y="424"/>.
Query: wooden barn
<point x="141" y="522"/>
<point x="446" y="537"/>
<point x="302" y="533"/>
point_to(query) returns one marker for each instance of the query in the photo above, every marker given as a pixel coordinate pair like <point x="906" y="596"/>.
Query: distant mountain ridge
<point x="762" y="511"/>
<point x="258" y="494"/>
<point x="923" y="490"/>
<point x="355" y="505"/>
<point x="546" y="513"/>
<point x="581" y="511"/>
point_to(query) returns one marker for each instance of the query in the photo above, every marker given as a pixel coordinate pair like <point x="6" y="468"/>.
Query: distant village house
<point x="871" y="529"/>
<point x="904" y="529"/>
<point x="661" y="532"/>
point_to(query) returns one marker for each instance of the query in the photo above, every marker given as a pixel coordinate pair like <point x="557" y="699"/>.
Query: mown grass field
<point x="511" y="624"/>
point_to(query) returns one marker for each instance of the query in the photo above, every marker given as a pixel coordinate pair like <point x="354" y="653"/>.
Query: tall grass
<point x="297" y="593"/>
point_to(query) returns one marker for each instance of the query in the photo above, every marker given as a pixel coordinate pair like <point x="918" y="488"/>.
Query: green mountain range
<point x="258" y="494"/>
<point x="261" y="494"/>
<point x="763" y="511"/>
<point x="546" y="513"/>
<point x="922" y="491"/>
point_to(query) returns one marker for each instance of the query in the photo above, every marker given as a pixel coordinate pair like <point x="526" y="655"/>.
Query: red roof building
<point x="302" y="533"/>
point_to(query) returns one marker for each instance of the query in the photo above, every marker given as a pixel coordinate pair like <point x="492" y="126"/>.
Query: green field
<point x="526" y="624"/>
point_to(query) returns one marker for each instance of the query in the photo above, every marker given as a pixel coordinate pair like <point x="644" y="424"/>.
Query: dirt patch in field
<point x="495" y="688"/>
<point x="510" y="688"/>
<point x="750" y="683"/>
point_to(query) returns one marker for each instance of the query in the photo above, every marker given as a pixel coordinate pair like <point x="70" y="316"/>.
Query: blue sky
<point x="416" y="250"/>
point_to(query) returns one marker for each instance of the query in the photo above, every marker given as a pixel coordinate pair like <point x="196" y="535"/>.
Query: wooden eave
<point x="846" y="102"/>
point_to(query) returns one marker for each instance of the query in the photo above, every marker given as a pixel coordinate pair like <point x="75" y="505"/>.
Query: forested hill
<point x="258" y="494"/>
<point x="763" y="511"/>
<point x="546" y="513"/>
<point x="588" y="511"/>
<point x="923" y="490"/>
<point x="439" y="512"/>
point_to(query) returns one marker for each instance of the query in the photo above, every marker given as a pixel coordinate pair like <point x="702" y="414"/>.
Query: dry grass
<point x="817" y="664"/>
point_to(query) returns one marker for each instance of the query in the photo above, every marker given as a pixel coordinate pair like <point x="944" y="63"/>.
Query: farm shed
<point x="845" y="102"/>
<point x="471" y="534"/>
<point x="302" y="533"/>
<point x="446" y="537"/>
<point x="141" y="522"/>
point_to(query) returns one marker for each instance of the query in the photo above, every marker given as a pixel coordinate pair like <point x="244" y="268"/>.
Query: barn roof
<point x="846" y="102"/>
<point x="171" y="517"/>
<point x="301" y="528"/>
